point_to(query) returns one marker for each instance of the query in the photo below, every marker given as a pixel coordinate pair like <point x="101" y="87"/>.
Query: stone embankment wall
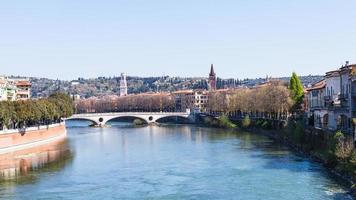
<point x="18" y="137"/>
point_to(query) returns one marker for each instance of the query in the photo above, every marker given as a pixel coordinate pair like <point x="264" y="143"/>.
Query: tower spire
<point x="212" y="78"/>
<point x="212" y="73"/>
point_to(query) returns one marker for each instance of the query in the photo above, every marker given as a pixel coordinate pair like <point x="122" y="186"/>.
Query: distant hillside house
<point x="12" y="89"/>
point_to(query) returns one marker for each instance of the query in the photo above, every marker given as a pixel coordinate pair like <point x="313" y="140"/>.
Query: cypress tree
<point x="296" y="88"/>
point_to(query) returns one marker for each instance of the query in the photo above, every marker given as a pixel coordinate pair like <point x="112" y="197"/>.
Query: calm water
<point x="170" y="162"/>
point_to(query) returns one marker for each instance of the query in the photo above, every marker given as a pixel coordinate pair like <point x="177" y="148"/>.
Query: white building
<point x="3" y="90"/>
<point x="12" y="89"/>
<point x="317" y="109"/>
<point x="123" y="85"/>
<point x="23" y="90"/>
<point x="332" y="102"/>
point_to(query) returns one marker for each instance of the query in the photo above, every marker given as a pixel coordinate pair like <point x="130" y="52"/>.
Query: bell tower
<point x="212" y="78"/>
<point x="123" y="85"/>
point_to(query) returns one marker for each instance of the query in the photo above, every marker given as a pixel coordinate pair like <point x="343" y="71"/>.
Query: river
<point x="165" y="162"/>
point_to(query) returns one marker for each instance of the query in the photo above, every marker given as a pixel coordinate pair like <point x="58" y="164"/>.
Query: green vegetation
<point x="21" y="114"/>
<point x="264" y="124"/>
<point x="246" y="122"/>
<point x="345" y="154"/>
<point x="336" y="150"/>
<point x="225" y="122"/>
<point x="138" y="122"/>
<point x="296" y="88"/>
<point x="222" y="122"/>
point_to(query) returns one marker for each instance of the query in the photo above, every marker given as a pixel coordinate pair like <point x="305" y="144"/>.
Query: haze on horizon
<point x="244" y="39"/>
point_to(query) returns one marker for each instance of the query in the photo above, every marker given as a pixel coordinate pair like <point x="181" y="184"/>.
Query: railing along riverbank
<point x="20" y="139"/>
<point x="32" y="128"/>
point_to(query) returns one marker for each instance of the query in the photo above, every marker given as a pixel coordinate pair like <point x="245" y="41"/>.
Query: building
<point x="332" y="101"/>
<point x="12" y="89"/>
<point x="11" y="92"/>
<point x="123" y="85"/>
<point x="316" y="105"/>
<point x="200" y="100"/>
<point x="3" y="90"/>
<point x="75" y="97"/>
<point x="23" y="90"/>
<point x="182" y="100"/>
<point x="212" y="79"/>
<point x="191" y="100"/>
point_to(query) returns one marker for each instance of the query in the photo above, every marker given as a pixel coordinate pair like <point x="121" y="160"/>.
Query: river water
<point x="166" y="162"/>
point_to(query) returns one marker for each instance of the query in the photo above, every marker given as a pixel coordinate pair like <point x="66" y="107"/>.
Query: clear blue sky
<point x="67" y="39"/>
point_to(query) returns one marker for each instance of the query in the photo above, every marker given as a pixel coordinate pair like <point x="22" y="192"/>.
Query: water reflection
<point x="23" y="165"/>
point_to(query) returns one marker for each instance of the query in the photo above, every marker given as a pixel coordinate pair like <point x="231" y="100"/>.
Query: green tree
<point x="296" y="88"/>
<point x="19" y="114"/>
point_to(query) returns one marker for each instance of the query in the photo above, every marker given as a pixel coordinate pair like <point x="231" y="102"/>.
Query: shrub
<point x="246" y="121"/>
<point x="259" y="122"/>
<point x="138" y="122"/>
<point x="343" y="147"/>
<point x="266" y="125"/>
<point x="225" y="122"/>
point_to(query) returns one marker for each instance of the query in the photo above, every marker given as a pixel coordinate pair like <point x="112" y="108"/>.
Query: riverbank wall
<point x="19" y="139"/>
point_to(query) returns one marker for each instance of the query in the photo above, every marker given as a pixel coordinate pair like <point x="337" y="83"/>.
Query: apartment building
<point x="332" y="101"/>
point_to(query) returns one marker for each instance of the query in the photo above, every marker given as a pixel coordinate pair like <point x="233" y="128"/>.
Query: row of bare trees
<point x="272" y="100"/>
<point x="268" y="101"/>
<point x="161" y="102"/>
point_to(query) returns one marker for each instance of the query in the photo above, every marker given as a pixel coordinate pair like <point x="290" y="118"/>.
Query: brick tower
<point x="212" y="79"/>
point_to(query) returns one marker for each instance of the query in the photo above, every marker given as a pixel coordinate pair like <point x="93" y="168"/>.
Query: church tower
<point x="212" y="78"/>
<point x="123" y="85"/>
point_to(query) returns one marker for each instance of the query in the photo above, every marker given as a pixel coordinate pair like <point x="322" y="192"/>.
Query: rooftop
<point x="317" y="86"/>
<point x="23" y="83"/>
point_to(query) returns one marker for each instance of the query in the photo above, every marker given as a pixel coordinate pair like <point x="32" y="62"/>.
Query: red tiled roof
<point x="23" y="83"/>
<point x="317" y="86"/>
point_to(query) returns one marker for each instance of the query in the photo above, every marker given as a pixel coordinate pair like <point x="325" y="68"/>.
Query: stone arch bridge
<point x="100" y="119"/>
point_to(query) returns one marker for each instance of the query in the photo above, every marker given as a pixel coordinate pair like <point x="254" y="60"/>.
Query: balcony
<point x="23" y="92"/>
<point x="343" y="97"/>
<point x="327" y="98"/>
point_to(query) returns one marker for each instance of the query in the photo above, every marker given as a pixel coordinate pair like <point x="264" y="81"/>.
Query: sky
<point x="67" y="39"/>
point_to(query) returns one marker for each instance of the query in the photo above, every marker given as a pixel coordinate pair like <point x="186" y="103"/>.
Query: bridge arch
<point x="94" y="123"/>
<point x="126" y="117"/>
<point x="163" y="119"/>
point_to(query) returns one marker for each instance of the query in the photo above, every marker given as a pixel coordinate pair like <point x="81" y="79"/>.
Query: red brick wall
<point x="11" y="139"/>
